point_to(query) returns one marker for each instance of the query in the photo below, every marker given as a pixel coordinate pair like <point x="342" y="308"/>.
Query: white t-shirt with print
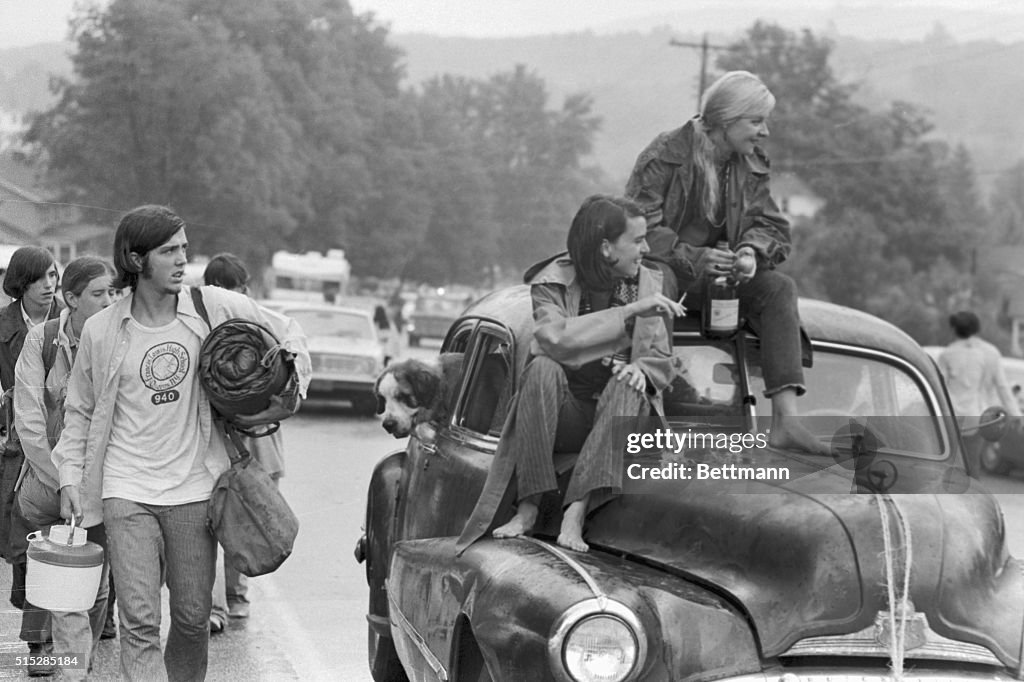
<point x="155" y="454"/>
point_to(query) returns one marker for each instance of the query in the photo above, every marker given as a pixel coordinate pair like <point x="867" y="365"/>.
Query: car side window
<point x="707" y="383"/>
<point x="489" y="390"/>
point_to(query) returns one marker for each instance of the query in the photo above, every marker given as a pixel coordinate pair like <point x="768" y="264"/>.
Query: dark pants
<point x="769" y="302"/>
<point x="35" y="622"/>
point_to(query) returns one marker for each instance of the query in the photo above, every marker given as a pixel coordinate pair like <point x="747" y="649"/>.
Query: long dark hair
<point x="227" y="271"/>
<point x="28" y="264"/>
<point x="600" y="217"/>
<point x="140" y="231"/>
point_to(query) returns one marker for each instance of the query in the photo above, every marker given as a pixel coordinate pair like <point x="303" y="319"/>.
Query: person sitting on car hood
<point x="600" y="350"/>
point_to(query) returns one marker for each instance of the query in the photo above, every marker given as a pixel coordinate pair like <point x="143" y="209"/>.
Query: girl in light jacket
<point x="39" y="418"/>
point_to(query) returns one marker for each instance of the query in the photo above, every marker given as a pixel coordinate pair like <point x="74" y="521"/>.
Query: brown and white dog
<point x="414" y="396"/>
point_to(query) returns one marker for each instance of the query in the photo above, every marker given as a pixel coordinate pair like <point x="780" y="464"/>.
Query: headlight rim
<point x="585" y="609"/>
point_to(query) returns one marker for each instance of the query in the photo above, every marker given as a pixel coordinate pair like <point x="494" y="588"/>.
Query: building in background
<point x="29" y="215"/>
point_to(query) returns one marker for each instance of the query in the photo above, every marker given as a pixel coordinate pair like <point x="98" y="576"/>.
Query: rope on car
<point x="1020" y="653"/>
<point x="897" y="598"/>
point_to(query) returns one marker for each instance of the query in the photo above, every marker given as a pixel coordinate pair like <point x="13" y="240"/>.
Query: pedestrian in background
<point x="972" y="368"/>
<point x="704" y="189"/>
<point x="31" y="282"/>
<point x="137" y="418"/>
<point x="230" y="588"/>
<point x="41" y="376"/>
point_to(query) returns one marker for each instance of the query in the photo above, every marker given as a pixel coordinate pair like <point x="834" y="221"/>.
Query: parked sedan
<point x="830" y="575"/>
<point x="345" y="349"/>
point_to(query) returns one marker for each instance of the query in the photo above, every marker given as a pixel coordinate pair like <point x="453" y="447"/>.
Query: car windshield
<point x="333" y="323"/>
<point x="841" y="388"/>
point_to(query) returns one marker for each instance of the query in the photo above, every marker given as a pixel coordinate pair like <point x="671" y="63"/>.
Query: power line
<point x="704" y="46"/>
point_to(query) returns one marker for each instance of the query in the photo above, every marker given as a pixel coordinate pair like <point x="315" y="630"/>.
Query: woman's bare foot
<point x="790" y="433"/>
<point x="571" y="534"/>
<point x="521" y="523"/>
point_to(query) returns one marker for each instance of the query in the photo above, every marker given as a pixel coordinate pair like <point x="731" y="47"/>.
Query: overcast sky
<point x="25" y="22"/>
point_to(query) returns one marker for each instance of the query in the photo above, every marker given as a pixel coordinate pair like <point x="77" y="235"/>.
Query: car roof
<point x="824" y="323"/>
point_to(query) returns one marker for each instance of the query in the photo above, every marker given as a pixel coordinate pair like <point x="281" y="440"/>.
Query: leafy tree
<point x="510" y="170"/>
<point x="252" y="119"/>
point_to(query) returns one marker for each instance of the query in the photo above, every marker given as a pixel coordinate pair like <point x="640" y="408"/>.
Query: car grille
<point x="923" y="644"/>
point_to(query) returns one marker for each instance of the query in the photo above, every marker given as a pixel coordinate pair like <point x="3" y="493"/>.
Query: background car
<point x="433" y="314"/>
<point x="687" y="581"/>
<point x="345" y="349"/>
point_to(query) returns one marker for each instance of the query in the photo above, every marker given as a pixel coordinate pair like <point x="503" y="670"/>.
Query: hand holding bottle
<point x="719" y="260"/>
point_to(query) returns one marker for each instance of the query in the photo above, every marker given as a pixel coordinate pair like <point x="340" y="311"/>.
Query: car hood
<point x="329" y="344"/>
<point x="812" y="564"/>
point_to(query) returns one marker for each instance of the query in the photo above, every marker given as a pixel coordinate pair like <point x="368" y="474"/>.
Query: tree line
<point x="272" y="124"/>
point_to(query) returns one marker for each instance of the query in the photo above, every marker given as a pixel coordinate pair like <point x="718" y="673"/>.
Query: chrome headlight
<point x="595" y="642"/>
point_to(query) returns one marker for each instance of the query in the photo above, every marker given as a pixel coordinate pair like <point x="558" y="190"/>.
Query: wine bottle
<point x="720" y="310"/>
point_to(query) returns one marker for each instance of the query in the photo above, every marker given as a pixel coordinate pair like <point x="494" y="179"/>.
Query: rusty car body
<point x="698" y="583"/>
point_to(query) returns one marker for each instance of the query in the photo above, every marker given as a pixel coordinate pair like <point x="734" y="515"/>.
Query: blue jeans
<point x="141" y="536"/>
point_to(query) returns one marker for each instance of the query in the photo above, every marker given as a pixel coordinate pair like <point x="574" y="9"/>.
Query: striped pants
<point x="551" y="419"/>
<point x="547" y="418"/>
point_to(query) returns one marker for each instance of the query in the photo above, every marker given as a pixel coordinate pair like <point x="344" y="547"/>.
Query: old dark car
<point x="883" y="556"/>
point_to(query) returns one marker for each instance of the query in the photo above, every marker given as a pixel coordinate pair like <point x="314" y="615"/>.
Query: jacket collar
<point x="555" y="270"/>
<point x="678" y="149"/>
<point x="559" y="270"/>
<point x="185" y="307"/>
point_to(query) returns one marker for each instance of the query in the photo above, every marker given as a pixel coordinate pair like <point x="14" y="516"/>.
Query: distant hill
<point x="641" y="85"/>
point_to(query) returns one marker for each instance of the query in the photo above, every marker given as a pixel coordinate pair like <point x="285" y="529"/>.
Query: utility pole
<point x="703" y="46"/>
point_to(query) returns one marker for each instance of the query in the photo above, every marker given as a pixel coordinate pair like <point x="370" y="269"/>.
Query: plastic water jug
<point x="63" y="572"/>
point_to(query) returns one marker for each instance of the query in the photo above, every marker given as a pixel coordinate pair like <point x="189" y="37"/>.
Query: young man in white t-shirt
<point x="139" y="441"/>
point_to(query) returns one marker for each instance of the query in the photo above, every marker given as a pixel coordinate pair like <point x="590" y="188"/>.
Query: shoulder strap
<point x="50" y="329"/>
<point x="197" y="300"/>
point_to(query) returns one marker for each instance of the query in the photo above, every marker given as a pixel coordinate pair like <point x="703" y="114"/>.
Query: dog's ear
<point x="376" y="390"/>
<point x="425" y="382"/>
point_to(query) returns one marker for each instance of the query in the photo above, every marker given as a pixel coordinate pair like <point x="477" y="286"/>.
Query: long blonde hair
<point x="733" y="96"/>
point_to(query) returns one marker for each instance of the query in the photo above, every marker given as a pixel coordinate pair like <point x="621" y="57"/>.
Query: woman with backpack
<point x="41" y="377"/>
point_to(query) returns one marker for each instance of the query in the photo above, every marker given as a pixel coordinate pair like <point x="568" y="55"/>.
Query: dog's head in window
<point x="413" y="392"/>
